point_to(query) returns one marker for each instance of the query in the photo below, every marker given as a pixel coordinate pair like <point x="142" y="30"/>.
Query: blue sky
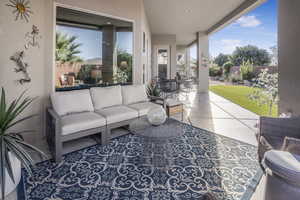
<point x="91" y="41"/>
<point x="258" y="27"/>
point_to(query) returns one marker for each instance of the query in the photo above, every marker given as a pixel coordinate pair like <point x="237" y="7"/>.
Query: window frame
<point x="55" y="20"/>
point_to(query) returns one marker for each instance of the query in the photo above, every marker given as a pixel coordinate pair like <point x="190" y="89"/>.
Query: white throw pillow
<point x="134" y="94"/>
<point x="72" y="102"/>
<point x="103" y="97"/>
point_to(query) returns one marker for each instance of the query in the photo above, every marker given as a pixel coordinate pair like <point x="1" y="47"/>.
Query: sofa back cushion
<point x="103" y="97"/>
<point x="133" y="94"/>
<point x="72" y="102"/>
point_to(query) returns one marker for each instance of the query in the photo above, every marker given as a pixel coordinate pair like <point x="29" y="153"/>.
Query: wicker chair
<point x="273" y="132"/>
<point x="169" y="88"/>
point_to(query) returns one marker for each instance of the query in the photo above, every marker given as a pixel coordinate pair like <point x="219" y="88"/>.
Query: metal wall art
<point x="21" y="66"/>
<point x="22" y="9"/>
<point x="33" y="37"/>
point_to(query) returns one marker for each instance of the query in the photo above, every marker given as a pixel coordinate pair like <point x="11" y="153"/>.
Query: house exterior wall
<point x="257" y="69"/>
<point x="288" y="56"/>
<point x="41" y="60"/>
<point x="146" y="55"/>
<point x="162" y="40"/>
<point x="12" y="39"/>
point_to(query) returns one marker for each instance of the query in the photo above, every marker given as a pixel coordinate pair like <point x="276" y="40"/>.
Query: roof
<point x="185" y="18"/>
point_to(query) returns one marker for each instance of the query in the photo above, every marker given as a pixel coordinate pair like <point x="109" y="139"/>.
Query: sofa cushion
<point x="72" y="102"/>
<point x="144" y="107"/>
<point x="134" y="94"/>
<point x="81" y="121"/>
<point x="103" y="97"/>
<point x="117" y="114"/>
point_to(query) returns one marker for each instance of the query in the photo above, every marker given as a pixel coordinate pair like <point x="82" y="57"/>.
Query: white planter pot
<point x="9" y="184"/>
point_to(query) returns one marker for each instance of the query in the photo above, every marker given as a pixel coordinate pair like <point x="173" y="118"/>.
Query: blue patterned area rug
<point x="132" y="167"/>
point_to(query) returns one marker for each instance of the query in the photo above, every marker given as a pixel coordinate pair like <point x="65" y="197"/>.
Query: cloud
<point x="227" y="46"/>
<point x="248" y="21"/>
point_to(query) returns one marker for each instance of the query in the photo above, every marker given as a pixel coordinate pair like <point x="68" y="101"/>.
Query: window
<point x="92" y="50"/>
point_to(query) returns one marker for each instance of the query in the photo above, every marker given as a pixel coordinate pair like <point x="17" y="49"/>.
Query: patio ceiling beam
<point x="245" y="7"/>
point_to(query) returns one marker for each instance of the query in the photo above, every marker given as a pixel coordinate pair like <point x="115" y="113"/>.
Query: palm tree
<point x="67" y="48"/>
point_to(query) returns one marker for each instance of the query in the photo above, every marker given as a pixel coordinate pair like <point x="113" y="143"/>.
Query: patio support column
<point x="203" y="55"/>
<point x="288" y="56"/>
<point x="188" y="62"/>
<point x="108" y="53"/>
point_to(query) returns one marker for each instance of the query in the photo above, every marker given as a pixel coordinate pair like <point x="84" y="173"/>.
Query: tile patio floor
<point x="212" y="112"/>
<point x="204" y="110"/>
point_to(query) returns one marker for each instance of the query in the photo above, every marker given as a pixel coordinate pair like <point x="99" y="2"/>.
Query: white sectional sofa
<point x="98" y="110"/>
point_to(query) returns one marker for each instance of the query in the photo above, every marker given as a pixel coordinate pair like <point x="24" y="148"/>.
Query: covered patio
<point x="215" y="150"/>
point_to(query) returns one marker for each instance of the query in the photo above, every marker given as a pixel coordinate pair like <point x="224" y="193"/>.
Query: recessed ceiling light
<point x="188" y="10"/>
<point x="108" y="23"/>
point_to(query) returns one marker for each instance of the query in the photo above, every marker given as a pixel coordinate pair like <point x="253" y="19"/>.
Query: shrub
<point x="84" y="74"/>
<point x="268" y="89"/>
<point x="215" y="71"/>
<point x="227" y="66"/>
<point x="247" y="71"/>
<point x="235" y="78"/>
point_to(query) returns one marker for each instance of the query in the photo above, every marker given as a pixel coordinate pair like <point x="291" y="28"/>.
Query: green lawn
<point x="239" y="95"/>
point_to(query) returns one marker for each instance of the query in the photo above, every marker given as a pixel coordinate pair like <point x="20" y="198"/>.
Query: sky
<point x="91" y="41"/>
<point x="258" y="27"/>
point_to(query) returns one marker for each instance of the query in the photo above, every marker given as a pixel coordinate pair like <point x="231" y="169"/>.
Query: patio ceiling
<point x="186" y="18"/>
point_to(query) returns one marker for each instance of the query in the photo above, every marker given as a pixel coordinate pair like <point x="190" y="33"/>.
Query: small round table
<point x="168" y="130"/>
<point x="156" y="137"/>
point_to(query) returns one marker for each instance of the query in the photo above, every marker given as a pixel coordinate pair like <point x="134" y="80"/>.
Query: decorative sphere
<point x="157" y="116"/>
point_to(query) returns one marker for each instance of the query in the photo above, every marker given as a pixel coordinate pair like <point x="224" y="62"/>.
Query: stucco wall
<point x="12" y="39"/>
<point x="288" y="56"/>
<point x="169" y="40"/>
<point x="146" y="56"/>
<point x="41" y="59"/>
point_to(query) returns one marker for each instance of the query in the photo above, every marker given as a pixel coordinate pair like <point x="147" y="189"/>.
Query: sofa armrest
<point x="53" y="123"/>
<point x="155" y="98"/>
<point x="53" y="133"/>
<point x="53" y="114"/>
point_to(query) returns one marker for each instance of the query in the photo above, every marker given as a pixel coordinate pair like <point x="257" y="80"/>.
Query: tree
<point x="226" y="69"/>
<point x="221" y="59"/>
<point x="66" y="48"/>
<point x="247" y="71"/>
<point x="266" y="91"/>
<point x="124" y="61"/>
<point x="256" y="56"/>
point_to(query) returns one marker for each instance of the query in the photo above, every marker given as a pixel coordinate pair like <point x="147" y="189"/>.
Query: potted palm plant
<point x="13" y="149"/>
<point x="153" y="90"/>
